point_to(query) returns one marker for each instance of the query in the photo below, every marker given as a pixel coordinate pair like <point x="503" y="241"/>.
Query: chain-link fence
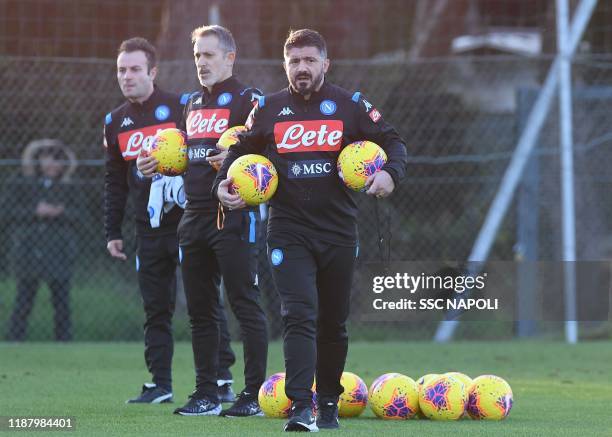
<point x="446" y="74"/>
<point x="460" y="119"/>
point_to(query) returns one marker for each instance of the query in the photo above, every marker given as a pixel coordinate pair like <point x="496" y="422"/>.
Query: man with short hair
<point x="214" y="246"/>
<point x="312" y="227"/>
<point x="128" y="128"/>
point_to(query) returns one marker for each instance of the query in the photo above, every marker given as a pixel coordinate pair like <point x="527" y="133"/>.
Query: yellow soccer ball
<point x="489" y="398"/>
<point x="423" y="379"/>
<point x="358" y="161"/>
<point x="227" y="139"/>
<point x="272" y="398"/>
<point x="230" y="137"/>
<point x="443" y="398"/>
<point x="466" y="380"/>
<point x="394" y="396"/>
<point x="420" y="382"/>
<point x="354" y="398"/>
<point x="169" y="147"/>
<point x="255" y="178"/>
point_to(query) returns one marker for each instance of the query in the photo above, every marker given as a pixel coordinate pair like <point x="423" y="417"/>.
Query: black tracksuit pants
<point x="157" y="258"/>
<point x="207" y="255"/>
<point x="313" y="280"/>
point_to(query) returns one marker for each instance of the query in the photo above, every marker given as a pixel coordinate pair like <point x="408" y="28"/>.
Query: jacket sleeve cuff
<point x="393" y="173"/>
<point x="113" y="236"/>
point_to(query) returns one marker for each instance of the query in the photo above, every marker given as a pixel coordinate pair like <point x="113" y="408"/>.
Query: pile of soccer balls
<point x="393" y="396"/>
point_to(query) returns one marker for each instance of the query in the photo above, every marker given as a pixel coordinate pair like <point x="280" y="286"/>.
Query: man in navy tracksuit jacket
<point x="312" y="230"/>
<point x="213" y="248"/>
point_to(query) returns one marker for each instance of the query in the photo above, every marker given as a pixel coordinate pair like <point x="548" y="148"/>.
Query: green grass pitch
<point x="559" y="390"/>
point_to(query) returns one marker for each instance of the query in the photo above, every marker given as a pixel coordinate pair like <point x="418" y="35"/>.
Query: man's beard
<point x="307" y="89"/>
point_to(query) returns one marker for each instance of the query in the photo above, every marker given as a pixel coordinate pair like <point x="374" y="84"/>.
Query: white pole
<point x="567" y="172"/>
<point x="214" y="15"/>
<point x="498" y="208"/>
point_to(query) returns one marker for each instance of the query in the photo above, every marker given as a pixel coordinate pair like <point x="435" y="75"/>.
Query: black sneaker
<point x="199" y="406"/>
<point x="152" y="394"/>
<point x="301" y="419"/>
<point x="225" y="393"/>
<point x="327" y="414"/>
<point x="246" y="405"/>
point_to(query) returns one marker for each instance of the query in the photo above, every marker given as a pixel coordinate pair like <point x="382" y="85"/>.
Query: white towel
<point x="166" y="191"/>
<point x="174" y="193"/>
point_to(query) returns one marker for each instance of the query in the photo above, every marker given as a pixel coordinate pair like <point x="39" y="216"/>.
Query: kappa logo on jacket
<point x="308" y="136"/>
<point x="132" y="141"/>
<point x="286" y="111"/>
<point x="126" y="122"/>
<point x="207" y="123"/>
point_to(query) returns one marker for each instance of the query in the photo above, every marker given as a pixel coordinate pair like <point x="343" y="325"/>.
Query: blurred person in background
<point x="45" y="213"/>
